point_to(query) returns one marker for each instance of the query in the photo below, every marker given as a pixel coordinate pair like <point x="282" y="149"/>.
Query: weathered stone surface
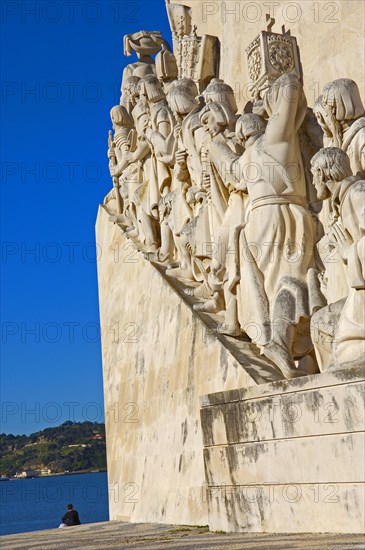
<point x="289" y="508"/>
<point x="280" y="461"/>
<point x="105" y="536"/>
<point x="299" y="410"/>
<point x="287" y="455"/>
<point x="158" y="358"/>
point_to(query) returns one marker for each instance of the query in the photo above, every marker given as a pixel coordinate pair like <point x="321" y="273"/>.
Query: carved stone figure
<point x="227" y="202"/>
<point x="182" y="100"/>
<point x="189" y="169"/>
<point x="341" y="115"/>
<point x="204" y="125"/>
<point x="225" y="262"/>
<point x="119" y="146"/>
<point x="277" y="294"/>
<point x="130" y="93"/>
<point x="216" y="119"/>
<point x="339" y="328"/>
<point x="146" y="195"/>
<point x="160" y="136"/>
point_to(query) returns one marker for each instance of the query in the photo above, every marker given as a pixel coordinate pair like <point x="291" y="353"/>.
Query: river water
<point x="39" y="503"/>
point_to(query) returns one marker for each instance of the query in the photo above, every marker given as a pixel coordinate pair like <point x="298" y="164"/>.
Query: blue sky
<point x="61" y="70"/>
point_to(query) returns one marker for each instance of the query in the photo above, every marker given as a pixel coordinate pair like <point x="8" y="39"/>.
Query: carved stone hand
<point x="342" y="238"/>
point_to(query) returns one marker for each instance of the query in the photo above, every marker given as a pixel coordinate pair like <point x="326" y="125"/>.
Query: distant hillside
<point x="73" y="446"/>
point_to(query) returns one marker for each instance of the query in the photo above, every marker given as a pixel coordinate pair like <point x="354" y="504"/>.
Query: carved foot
<point x="213" y="305"/>
<point x="282" y="359"/>
<point x="155" y="256"/>
<point x="151" y="252"/>
<point x="164" y="259"/>
<point x="189" y="292"/>
<point x="229" y="330"/>
<point x="122" y="220"/>
<point x="131" y="231"/>
<point x="203" y="292"/>
<point x="180" y="273"/>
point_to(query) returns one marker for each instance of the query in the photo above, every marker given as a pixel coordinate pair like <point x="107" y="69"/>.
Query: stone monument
<point x="232" y="275"/>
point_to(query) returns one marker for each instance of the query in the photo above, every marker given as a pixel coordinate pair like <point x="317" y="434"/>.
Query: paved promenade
<point x="112" y="535"/>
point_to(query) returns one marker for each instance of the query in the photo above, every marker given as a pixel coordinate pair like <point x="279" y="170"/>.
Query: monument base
<point x="287" y="456"/>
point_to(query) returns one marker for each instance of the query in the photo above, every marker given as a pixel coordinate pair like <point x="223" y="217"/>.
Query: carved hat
<point x="220" y="92"/>
<point x="182" y="98"/>
<point x="166" y="66"/>
<point x="344" y="97"/>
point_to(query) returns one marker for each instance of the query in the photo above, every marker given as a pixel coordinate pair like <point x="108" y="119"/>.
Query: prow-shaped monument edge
<point x="259" y="368"/>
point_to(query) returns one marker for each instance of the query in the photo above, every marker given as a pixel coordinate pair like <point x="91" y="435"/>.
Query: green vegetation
<point x="50" y="449"/>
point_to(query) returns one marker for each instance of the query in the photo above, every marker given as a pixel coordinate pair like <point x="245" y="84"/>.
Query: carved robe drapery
<point x="276" y="246"/>
<point x="354" y="145"/>
<point x="350" y="339"/>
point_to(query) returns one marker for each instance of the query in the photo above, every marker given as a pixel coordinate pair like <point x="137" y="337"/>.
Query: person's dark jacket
<point x="71" y="518"/>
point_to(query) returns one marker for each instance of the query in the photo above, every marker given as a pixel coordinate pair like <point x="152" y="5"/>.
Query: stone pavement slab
<point x="139" y="536"/>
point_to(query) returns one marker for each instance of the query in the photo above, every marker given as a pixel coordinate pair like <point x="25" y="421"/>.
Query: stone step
<point x="297" y="412"/>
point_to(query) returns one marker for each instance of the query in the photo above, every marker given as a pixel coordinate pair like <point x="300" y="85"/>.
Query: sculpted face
<point x="143" y="94"/>
<point x="210" y="124"/>
<point x="319" y="182"/>
<point x="130" y="92"/>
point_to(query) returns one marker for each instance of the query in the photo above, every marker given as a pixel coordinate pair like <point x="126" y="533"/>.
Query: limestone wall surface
<point x="158" y="359"/>
<point x="287" y="456"/>
<point x="330" y="37"/>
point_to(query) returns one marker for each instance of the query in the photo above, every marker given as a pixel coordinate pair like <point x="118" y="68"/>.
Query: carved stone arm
<point x="287" y="106"/>
<point x="163" y="142"/>
<point x="143" y="149"/>
<point x="226" y="163"/>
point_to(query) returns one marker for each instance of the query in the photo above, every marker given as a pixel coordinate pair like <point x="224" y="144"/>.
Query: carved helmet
<point x="166" y="66"/>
